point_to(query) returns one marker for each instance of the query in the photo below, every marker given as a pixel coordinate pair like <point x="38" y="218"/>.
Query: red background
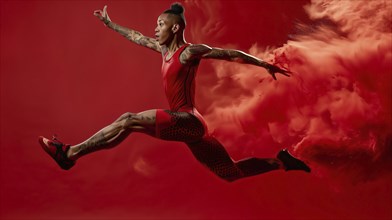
<point x="63" y="72"/>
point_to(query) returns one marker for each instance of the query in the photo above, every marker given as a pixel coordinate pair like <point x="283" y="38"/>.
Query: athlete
<point x="182" y="122"/>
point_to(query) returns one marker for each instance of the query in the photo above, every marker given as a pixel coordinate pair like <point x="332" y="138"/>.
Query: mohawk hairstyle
<point x="177" y="9"/>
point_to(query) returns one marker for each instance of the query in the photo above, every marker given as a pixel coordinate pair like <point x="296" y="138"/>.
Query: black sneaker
<point x="290" y="162"/>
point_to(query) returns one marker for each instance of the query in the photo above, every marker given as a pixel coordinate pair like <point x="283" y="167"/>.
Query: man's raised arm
<point x="130" y="34"/>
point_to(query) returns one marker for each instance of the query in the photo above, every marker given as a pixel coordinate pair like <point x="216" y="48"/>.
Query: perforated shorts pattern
<point x="214" y="156"/>
<point x="178" y="126"/>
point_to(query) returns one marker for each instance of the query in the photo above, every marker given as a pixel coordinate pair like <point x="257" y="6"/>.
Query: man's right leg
<point x="108" y="137"/>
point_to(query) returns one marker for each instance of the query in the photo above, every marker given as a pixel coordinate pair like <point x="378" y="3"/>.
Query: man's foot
<point x="290" y="162"/>
<point x="58" y="151"/>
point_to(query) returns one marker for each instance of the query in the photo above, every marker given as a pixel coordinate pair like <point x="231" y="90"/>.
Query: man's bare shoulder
<point x="198" y="49"/>
<point x="194" y="52"/>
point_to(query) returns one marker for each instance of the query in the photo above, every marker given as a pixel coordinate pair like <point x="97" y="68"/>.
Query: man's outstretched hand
<point x="103" y="15"/>
<point x="272" y="69"/>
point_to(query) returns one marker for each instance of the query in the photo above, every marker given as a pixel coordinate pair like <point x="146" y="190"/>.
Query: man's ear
<point x="175" y="28"/>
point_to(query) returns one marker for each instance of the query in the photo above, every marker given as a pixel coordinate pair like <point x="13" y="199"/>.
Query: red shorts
<point x="186" y="125"/>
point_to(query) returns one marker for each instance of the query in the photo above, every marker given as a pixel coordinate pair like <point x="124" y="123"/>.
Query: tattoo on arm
<point x="199" y="49"/>
<point x="235" y="56"/>
<point x="193" y="52"/>
<point x="135" y="36"/>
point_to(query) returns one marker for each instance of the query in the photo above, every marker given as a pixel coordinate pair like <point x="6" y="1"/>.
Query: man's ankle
<point x="71" y="154"/>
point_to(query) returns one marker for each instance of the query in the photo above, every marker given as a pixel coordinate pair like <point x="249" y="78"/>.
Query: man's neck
<point x="176" y="43"/>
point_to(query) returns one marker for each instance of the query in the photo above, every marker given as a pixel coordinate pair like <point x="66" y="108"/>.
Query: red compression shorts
<point x="185" y="125"/>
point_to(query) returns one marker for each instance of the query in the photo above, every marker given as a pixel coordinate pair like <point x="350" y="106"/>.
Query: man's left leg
<point x="214" y="156"/>
<point x="211" y="153"/>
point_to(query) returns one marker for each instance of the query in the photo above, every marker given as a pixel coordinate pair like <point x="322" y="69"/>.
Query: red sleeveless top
<point x="179" y="81"/>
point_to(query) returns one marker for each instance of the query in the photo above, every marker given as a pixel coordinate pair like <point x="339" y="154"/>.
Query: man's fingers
<point x="104" y="10"/>
<point x="285" y="73"/>
<point x="98" y="16"/>
<point x="98" y="13"/>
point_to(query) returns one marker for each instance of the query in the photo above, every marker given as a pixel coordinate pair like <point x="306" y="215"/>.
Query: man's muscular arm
<point x="135" y="36"/>
<point x="130" y="34"/>
<point x="235" y="56"/>
<point x="201" y="51"/>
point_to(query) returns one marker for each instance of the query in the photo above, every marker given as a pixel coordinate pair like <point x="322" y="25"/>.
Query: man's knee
<point x="126" y="119"/>
<point x="127" y="115"/>
<point x="229" y="177"/>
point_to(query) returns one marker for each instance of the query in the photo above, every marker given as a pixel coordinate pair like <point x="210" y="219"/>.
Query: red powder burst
<point x="335" y="110"/>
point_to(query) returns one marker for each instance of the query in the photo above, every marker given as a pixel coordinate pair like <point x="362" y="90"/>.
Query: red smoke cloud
<point x="63" y="72"/>
<point x="335" y="110"/>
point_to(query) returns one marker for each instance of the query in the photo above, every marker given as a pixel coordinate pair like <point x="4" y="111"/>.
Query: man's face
<point x="163" y="32"/>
